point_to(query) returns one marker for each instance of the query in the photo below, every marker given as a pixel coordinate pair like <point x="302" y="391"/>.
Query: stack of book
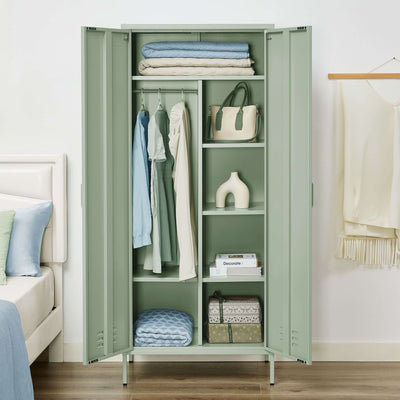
<point x="235" y="264"/>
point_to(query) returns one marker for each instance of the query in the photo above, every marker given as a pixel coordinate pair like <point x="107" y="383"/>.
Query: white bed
<point x="26" y="180"/>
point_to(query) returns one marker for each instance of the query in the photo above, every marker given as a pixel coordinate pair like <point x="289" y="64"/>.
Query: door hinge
<point x="301" y="28"/>
<point x="93" y="361"/>
<point x="126" y="37"/>
<point x="91" y="28"/>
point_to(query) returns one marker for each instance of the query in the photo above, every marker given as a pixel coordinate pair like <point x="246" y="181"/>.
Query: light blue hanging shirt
<point x="141" y="210"/>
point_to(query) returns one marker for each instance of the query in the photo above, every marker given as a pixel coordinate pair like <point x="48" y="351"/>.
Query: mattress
<point x="33" y="296"/>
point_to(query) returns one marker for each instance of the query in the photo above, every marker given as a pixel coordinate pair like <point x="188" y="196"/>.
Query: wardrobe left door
<point x="106" y="192"/>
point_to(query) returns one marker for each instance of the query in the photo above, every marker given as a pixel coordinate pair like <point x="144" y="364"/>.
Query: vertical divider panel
<point x="131" y="63"/>
<point x="200" y="210"/>
<point x="265" y="260"/>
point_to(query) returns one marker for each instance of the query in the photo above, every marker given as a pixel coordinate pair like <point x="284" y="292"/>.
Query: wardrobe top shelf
<point x="198" y="27"/>
<point x="199" y="78"/>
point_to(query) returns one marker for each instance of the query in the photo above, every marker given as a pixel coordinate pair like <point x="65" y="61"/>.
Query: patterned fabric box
<point x="234" y="333"/>
<point x="234" y="309"/>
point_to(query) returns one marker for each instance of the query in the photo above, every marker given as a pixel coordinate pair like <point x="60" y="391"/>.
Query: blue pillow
<point x="23" y="257"/>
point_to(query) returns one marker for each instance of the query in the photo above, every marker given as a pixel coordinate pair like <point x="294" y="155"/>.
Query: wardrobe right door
<point x="288" y="122"/>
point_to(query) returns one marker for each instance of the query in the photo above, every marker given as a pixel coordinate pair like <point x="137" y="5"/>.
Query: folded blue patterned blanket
<point x="161" y="327"/>
<point x="233" y="50"/>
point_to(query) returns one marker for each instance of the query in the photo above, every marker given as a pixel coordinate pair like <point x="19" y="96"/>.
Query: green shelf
<point x="233" y="348"/>
<point x="256" y="208"/>
<point x="199" y="78"/>
<point x="204" y="28"/>
<point x="233" y="145"/>
<point x="237" y="278"/>
<point x="169" y="274"/>
<point x="204" y="348"/>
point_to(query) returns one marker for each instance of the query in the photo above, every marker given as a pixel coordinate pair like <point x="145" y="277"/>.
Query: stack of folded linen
<point x="196" y="58"/>
<point x="163" y="328"/>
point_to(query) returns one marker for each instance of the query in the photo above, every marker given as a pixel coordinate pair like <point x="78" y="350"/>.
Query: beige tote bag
<point x="235" y="124"/>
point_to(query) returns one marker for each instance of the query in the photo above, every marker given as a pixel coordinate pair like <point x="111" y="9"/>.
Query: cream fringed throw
<point x="368" y="174"/>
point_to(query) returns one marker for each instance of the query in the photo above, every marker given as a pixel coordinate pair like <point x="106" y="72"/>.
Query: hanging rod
<point x="365" y="75"/>
<point x="165" y="90"/>
<point x="371" y="74"/>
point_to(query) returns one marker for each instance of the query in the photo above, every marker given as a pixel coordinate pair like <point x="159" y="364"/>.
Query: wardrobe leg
<point x="131" y="358"/>
<point x="124" y="369"/>
<point x="272" y="369"/>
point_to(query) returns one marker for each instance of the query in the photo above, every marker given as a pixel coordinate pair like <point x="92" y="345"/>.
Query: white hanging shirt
<point x="179" y="139"/>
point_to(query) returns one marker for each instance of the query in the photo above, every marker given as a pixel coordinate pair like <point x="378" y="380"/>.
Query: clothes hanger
<point x="142" y="107"/>
<point x="160" y="107"/>
<point x="369" y="75"/>
<point x="385" y="63"/>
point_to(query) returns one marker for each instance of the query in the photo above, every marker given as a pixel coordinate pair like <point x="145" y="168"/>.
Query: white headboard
<point x="27" y="179"/>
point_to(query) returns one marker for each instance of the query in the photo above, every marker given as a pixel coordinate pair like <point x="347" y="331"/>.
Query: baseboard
<point x="73" y="352"/>
<point x="356" y="351"/>
<point x="322" y="351"/>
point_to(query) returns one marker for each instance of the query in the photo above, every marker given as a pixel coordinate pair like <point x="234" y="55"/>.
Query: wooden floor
<point x="222" y="381"/>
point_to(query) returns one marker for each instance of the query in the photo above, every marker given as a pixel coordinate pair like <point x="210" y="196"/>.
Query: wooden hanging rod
<point x="367" y="75"/>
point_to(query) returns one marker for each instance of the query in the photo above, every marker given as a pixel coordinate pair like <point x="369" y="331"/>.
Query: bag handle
<point x="241" y="85"/>
<point x="229" y="100"/>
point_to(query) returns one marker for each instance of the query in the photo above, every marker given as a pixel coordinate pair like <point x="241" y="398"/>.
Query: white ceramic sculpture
<point x="235" y="186"/>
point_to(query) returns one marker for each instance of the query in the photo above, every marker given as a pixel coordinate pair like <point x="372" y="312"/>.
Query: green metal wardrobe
<point x="276" y="168"/>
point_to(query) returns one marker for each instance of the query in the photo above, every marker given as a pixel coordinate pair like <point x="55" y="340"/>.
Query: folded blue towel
<point x="234" y="50"/>
<point x="161" y="327"/>
<point x="211" y="46"/>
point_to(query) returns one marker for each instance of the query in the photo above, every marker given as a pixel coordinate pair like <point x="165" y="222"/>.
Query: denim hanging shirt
<point x="141" y="211"/>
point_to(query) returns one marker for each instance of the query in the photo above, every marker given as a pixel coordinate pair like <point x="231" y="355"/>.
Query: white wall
<point x="40" y="111"/>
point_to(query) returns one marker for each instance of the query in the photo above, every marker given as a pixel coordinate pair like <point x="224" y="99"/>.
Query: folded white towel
<point x="195" y="66"/>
